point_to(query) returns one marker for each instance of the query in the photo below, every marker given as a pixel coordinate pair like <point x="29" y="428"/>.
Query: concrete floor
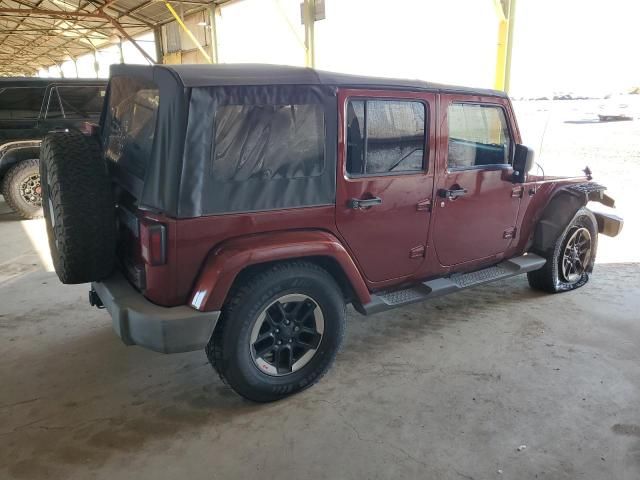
<point x="443" y="390"/>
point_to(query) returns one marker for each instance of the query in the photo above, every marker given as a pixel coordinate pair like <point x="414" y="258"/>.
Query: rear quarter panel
<point x="192" y="239"/>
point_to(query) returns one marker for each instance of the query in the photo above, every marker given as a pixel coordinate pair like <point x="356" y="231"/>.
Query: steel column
<point x="213" y="28"/>
<point x="157" y="39"/>
<point x="309" y="18"/>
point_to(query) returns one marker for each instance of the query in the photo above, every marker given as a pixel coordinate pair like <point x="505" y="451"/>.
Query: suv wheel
<point x="21" y="189"/>
<point x="569" y="263"/>
<point x="280" y="331"/>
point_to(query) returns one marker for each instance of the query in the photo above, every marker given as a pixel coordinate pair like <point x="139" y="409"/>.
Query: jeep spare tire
<point x="79" y="207"/>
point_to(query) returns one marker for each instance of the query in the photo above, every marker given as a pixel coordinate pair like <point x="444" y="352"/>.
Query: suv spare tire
<point x="79" y="207"/>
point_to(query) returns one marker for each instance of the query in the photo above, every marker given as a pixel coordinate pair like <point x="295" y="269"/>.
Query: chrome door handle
<point x="359" y="203"/>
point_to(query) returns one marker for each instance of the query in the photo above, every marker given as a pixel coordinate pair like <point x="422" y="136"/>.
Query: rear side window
<point x="268" y="142"/>
<point x="81" y="101"/>
<point x="131" y="123"/>
<point x="385" y="136"/>
<point x="21" y="103"/>
<point x="478" y="135"/>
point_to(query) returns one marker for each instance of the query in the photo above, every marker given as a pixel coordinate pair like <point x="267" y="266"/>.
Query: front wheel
<point x="22" y="190"/>
<point x="571" y="259"/>
<point x="280" y="331"/>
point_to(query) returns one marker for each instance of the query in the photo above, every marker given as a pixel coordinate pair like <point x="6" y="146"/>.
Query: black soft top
<point x="262" y="74"/>
<point x="181" y="174"/>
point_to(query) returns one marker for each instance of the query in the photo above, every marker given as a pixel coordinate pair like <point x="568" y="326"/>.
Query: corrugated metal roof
<point x="39" y="33"/>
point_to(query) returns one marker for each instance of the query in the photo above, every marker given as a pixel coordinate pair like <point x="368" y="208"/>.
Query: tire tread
<point x="7" y="188"/>
<point x="83" y="207"/>
<point x="215" y="350"/>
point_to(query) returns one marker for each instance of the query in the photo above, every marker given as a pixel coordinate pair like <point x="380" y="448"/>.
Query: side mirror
<point x="522" y="163"/>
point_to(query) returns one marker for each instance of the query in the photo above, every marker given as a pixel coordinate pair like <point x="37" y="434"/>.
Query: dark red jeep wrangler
<point x="240" y="208"/>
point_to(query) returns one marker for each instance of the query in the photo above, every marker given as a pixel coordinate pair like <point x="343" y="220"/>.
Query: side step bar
<point x="387" y="300"/>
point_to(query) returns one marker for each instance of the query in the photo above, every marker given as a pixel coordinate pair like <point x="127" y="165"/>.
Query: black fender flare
<point x="561" y="209"/>
<point x="17" y="151"/>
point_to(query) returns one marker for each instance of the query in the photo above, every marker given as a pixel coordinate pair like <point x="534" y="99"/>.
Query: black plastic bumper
<point x="137" y="321"/>
<point x="609" y="224"/>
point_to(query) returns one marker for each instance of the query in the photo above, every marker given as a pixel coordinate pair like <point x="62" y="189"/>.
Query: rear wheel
<point x="22" y="190"/>
<point x="280" y="331"/>
<point x="570" y="261"/>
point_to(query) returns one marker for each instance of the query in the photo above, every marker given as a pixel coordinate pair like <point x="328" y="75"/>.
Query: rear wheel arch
<point x="326" y="262"/>
<point x="228" y="266"/>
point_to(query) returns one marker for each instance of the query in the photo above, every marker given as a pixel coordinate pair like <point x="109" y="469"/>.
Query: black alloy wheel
<point x="571" y="258"/>
<point x="576" y="255"/>
<point x="287" y="335"/>
<point x="280" y="330"/>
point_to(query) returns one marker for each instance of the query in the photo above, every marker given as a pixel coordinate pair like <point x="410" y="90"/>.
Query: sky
<point x="579" y="46"/>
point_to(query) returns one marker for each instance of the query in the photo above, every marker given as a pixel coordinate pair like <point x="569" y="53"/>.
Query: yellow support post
<point x="188" y="32"/>
<point x="511" y="28"/>
<point x="506" y="21"/>
<point x="502" y="48"/>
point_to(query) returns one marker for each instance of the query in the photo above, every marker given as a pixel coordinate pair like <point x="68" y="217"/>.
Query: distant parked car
<point x="616" y="108"/>
<point x="29" y="109"/>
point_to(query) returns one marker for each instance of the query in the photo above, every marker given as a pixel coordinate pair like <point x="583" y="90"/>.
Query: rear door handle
<point x="453" y="193"/>
<point x="359" y="203"/>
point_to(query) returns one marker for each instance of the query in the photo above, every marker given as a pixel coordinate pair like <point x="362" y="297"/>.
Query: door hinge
<point x="517" y="192"/>
<point x="509" y="233"/>
<point x="424" y="205"/>
<point x="417" y="252"/>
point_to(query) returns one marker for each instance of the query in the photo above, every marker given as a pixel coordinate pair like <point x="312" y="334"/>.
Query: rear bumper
<point x="137" y="321"/>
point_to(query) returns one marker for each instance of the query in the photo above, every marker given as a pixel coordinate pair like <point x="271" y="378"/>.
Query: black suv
<point x="29" y="109"/>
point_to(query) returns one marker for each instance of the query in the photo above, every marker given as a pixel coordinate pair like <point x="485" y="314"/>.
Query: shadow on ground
<point x="90" y="397"/>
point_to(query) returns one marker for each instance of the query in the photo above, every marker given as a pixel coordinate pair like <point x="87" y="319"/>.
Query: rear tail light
<point x="153" y="242"/>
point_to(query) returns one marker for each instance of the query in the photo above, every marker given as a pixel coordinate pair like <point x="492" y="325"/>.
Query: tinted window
<point x="81" y="101"/>
<point x="131" y="123"/>
<point x="21" y="103"/>
<point x="268" y="142"/>
<point x="478" y="135"/>
<point x="385" y="136"/>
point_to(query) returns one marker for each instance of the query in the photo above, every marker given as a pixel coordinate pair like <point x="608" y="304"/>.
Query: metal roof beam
<point x="54" y="13"/>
